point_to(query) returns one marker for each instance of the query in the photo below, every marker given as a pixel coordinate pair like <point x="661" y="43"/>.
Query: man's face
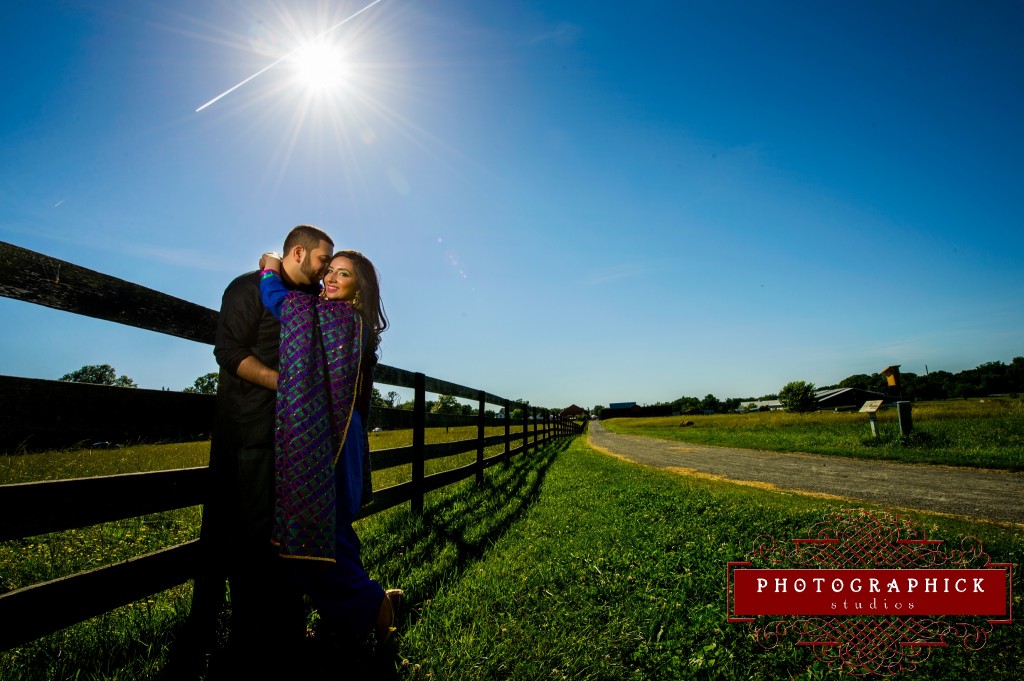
<point x="315" y="262"/>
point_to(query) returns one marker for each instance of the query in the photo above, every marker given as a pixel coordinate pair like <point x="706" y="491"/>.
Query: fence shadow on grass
<point x="457" y="528"/>
<point x="420" y="554"/>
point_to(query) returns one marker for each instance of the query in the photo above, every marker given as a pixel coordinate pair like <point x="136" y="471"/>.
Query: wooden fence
<point x="40" y="414"/>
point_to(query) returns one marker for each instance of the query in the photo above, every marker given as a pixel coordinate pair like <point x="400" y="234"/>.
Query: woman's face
<point x="340" y="281"/>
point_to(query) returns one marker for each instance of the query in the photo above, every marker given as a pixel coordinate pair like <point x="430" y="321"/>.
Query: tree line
<point x="104" y="374"/>
<point x="990" y="378"/>
<point x="445" y="404"/>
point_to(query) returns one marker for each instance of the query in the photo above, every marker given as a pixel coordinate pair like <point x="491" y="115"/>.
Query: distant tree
<point x="446" y="404"/>
<point x="1015" y="375"/>
<point x="468" y="410"/>
<point x="100" y="374"/>
<point x="936" y="385"/>
<point x="989" y="379"/>
<point x="872" y="383"/>
<point x="598" y="408"/>
<point x="521" y="408"/>
<point x="376" y="401"/>
<point x="797" y="396"/>
<point x="687" y="405"/>
<point x="393" y="399"/>
<point x="205" y="384"/>
<point x="490" y="413"/>
<point x="710" y="403"/>
<point x="730" y="405"/>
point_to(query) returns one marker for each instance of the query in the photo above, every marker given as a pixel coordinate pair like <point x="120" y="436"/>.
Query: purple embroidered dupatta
<point x="320" y="353"/>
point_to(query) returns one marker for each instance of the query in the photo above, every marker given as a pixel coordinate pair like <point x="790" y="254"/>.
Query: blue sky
<point x="567" y="201"/>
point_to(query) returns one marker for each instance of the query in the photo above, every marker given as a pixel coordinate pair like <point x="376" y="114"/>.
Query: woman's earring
<point x="323" y="293"/>
<point x="355" y="301"/>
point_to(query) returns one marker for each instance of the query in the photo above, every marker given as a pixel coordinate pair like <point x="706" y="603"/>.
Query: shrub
<point x="798" y="396"/>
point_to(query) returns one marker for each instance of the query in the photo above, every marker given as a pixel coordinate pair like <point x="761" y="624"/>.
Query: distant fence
<point x="41" y="414"/>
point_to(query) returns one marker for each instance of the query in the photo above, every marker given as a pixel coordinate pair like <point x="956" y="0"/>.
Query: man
<point x="266" y="607"/>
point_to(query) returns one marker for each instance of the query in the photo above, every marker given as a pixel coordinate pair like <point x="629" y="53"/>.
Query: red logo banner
<point x="869" y="592"/>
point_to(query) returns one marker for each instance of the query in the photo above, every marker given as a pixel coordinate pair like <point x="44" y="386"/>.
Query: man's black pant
<point x="267" y="611"/>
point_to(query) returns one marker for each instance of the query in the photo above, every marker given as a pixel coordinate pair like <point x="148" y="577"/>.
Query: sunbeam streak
<point x="289" y="55"/>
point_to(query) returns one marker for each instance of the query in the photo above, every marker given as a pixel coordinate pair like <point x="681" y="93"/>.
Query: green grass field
<point x="564" y="564"/>
<point x="618" y="572"/>
<point x="108" y="646"/>
<point x="984" y="433"/>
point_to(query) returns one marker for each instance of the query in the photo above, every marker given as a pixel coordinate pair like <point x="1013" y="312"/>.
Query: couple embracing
<point x="289" y="458"/>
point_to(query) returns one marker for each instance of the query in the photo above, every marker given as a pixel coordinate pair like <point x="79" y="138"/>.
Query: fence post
<point x="526" y="430"/>
<point x="508" y="430"/>
<point x="419" y="427"/>
<point x="480" y="440"/>
<point x="534" y="410"/>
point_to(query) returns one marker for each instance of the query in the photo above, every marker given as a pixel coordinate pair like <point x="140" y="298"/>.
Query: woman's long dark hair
<point x="369" y="305"/>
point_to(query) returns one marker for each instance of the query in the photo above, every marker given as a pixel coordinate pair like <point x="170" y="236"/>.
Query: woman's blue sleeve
<point x="272" y="292"/>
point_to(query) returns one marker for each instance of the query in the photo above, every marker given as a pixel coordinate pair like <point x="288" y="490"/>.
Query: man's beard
<point x="307" y="269"/>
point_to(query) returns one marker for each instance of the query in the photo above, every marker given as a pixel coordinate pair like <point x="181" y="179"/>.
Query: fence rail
<point x="42" y="414"/>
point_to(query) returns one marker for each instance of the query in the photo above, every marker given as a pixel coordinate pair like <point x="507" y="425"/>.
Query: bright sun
<point x="319" y="67"/>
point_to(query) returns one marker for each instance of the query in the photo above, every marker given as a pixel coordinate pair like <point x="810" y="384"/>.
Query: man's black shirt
<point x="245" y="411"/>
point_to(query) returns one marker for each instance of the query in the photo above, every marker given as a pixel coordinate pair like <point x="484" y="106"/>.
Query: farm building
<point x="626" y="409"/>
<point x="761" y="405"/>
<point x="829" y="398"/>
<point x="840" y="398"/>
<point x="572" y="411"/>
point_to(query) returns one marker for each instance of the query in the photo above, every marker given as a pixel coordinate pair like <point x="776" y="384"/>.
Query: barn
<point x="827" y="399"/>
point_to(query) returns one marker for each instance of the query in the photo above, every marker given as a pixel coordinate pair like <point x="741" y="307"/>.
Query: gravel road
<point x="969" y="492"/>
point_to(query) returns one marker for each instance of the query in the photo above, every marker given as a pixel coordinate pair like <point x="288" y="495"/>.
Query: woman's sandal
<point x="393" y="597"/>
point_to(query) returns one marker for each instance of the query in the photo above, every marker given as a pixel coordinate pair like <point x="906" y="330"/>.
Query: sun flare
<point x="320" y="67"/>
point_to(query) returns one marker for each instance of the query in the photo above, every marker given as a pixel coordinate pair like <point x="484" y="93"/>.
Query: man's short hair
<point x="307" y="236"/>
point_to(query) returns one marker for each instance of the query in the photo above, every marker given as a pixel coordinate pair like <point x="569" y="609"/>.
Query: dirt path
<point x="971" y="492"/>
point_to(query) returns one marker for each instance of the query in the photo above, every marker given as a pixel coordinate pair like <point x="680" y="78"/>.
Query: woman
<point x="327" y="354"/>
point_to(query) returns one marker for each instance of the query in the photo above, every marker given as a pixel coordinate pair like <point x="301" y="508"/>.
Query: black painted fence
<point x="40" y="414"/>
